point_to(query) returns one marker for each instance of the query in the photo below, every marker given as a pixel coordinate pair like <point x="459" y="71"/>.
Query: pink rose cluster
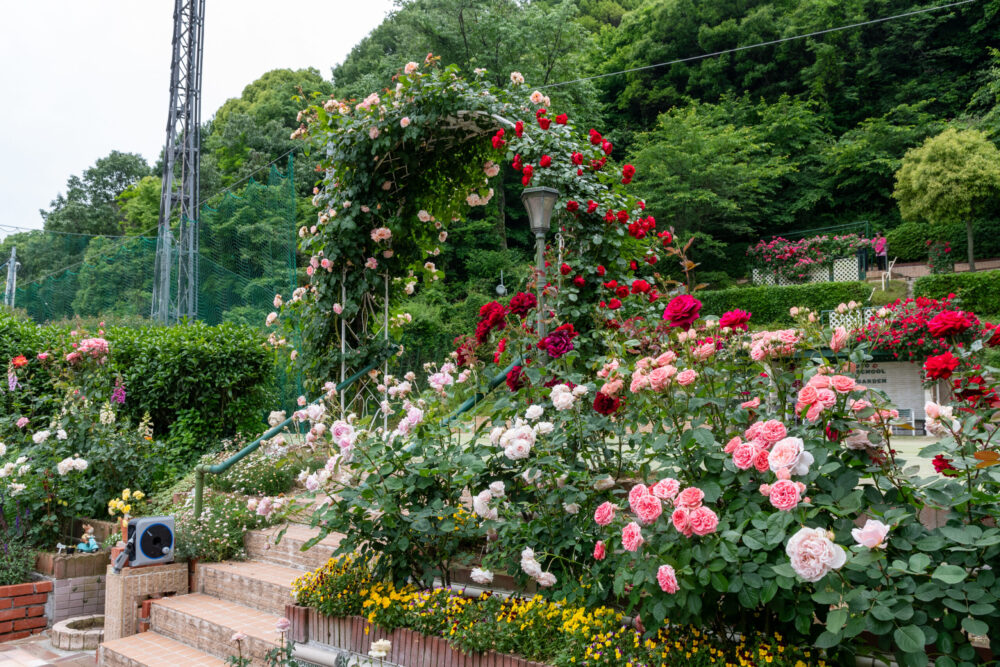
<point x="820" y="393"/>
<point x="773" y="344"/>
<point x="753" y="452"/>
<point x="96" y="348"/>
<point x="690" y="517"/>
<point x="659" y="373"/>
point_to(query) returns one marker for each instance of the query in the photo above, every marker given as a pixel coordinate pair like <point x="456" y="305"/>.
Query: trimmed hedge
<point x="979" y="292"/>
<point x="770" y="304"/>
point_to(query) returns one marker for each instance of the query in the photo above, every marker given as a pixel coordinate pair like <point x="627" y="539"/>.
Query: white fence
<point x="843" y="269"/>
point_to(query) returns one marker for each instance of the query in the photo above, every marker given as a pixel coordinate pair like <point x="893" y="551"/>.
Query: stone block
<point x="126" y="591"/>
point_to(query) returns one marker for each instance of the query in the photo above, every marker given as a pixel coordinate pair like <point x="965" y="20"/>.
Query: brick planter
<point x="78" y="582"/>
<point x="408" y="646"/>
<point x="22" y="609"/>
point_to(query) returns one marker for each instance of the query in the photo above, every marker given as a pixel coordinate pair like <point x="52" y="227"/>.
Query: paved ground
<point x="38" y="651"/>
<point x="908" y="446"/>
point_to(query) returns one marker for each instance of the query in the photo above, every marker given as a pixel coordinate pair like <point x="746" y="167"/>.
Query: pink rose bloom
<point x="327" y="264"/>
<point x="704" y="352"/>
<point x="760" y="461"/>
<point x="839" y="339"/>
<point x="826" y="398"/>
<point x="842" y="384"/>
<point x="819" y="381"/>
<point x="813" y="553"/>
<point x="666" y="488"/>
<point x="612" y="387"/>
<point x="22" y="422"/>
<point x="690" y="498"/>
<point x="682" y="311"/>
<point x="753" y="433"/>
<point x="646" y="363"/>
<point x="751" y="404"/>
<point x="785" y="495"/>
<point x="337" y="308"/>
<point x="73" y="357"/>
<point x="681" y="521"/>
<point x="872" y="535"/>
<point x="659" y="379"/>
<point x="647" y="508"/>
<point x="42" y="356"/>
<point x="732" y="445"/>
<point x="744" y="455"/>
<point x="639" y="382"/>
<point x="686" y="377"/>
<point x="860" y="404"/>
<point x="604" y="514"/>
<point x="807" y="395"/>
<point x="371" y="263"/>
<point x="772" y="431"/>
<point x="667" y="357"/>
<point x="599" y="550"/>
<point x="932" y="410"/>
<point x="632" y="536"/>
<point x="667" y="579"/>
<point x="703" y="521"/>
<point x="310" y="270"/>
<point x="635" y="493"/>
<point x="814" y="411"/>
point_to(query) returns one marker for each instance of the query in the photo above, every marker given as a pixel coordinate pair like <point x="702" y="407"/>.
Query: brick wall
<point x="79" y="596"/>
<point x="22" y="609"/>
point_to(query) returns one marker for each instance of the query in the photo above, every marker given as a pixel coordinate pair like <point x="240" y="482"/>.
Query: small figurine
<point x="88" y="542"/>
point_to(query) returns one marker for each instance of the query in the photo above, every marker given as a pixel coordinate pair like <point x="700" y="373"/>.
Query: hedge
<point x="977" y="292"/>
<point x="770" y="305"/>
<point x="198" y="382"/>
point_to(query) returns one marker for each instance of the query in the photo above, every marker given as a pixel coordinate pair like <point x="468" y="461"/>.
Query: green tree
<point x="140" y="205"/>
<point x="90" y="205"/>
<point x="952" y="177"/>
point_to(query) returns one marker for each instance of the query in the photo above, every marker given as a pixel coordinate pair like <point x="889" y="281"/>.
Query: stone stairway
<point x="240" y="596"/>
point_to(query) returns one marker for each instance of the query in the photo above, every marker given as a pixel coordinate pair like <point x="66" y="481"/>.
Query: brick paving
<point x="37" y="651"/>
<point x="155" y="650"/>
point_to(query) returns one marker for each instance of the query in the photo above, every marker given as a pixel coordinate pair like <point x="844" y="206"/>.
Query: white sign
<point x="901" y="382"/>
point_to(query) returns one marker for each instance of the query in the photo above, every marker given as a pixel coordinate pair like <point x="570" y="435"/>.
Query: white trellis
<point x="371" y="322"/>
<point x="842" y="269"/>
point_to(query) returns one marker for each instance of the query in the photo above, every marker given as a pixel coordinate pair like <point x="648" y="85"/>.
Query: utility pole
<point x="182" y="152"/>
<point x="9" y="290"/>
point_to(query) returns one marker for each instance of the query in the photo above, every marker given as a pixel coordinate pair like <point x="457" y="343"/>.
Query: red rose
<point x="735" y="319"/>
<point x="492" y="316"/>
<point x="606" y="147"/>
<point x="501" y="346"/>
<point x="642" y="205"/>
<point x="527" y="172"/>
<point x="544" y="123"/>
<point x="591" y="206"/>
<point x="634" y="265"/>
<point x="541" y="112"/>
<point x="994" y="340"/>
<point x="595" y="137"/>
<point x="498" y="139"/>
<point x="667" y="238"/>
<point x="601" y="270"/>
<point x="942" y="464"/>
<point x="623" y="216"/>
<point x="517" y="162"/>
<point x="651" y="259"/>
<point x="579" y="172"/>
<point x="948" y="323"/>
<point x="578" y="281"/>
<point x="611" y="284"/>
<point x="941" y="366"/>
<point x="519" y="128"/>
<point x="614" y="304"/>
<point x="628" y="171"/>
<point x="640" y="286"/>
<point x="572" y="206"/>
<point x="622" y="291"/>
<point x="565" y="269"/>
<point x="682" y="311"/>
<point x="19" y="361"/>
<point x="596" y="165"/>
<point x="546" y="161"/>
<point x="606" y="405"/>
<point x="609" y="216"/>
<point x="577" y="158"/>
<point x="562" y="118"/>
<point x="523" y="303"/>
<point x="516" y="379"/>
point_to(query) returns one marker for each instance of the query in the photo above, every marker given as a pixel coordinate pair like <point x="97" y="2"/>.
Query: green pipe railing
<point x="202" y="469"/>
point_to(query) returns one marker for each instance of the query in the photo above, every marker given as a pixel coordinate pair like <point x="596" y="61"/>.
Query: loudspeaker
<point x="150" y="541"/>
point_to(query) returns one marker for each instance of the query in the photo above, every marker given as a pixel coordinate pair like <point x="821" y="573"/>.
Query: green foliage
<point x="17" y="560"/>
<point x="218" y="534"/>
<point x="976" y="292"/>
<point x="115" y="279"/>
<point x="770" y="304"/>
<point x="260" y="473"/>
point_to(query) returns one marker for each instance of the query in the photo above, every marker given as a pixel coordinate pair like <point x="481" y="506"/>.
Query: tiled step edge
<point x="263" y="545"/>
<point x="213" y="636"/>
<point x="223" y="581"/>
<point x="132" y="651"/>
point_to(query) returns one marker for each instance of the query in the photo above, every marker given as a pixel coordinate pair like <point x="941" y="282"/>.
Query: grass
<point x="894" y="289"/>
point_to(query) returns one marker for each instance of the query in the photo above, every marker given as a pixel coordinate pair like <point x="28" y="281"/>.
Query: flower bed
<point x="804" y="260"/>
<point x="349" y="610"/>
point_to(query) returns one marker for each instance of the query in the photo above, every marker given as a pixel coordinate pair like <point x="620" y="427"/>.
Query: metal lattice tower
<point x="181" y="152"/>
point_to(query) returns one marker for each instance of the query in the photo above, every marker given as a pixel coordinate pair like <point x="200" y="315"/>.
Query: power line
<point x="760" y="44"/>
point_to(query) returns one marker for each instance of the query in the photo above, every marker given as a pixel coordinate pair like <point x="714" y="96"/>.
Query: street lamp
<point x="540" y="203"/>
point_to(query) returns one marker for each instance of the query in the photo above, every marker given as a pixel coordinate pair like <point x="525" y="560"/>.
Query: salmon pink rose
<point x="667" y="579"/>
<point x="744" y="455"/>
<point x="732" y="445"/>
<point x="686" y="377"/>
<point x="690" y="498"/>
<point x="666" y="489"/>
<point x="647" y="508"/>
<point x="751" y="404"/>
<point x="599" y="550"/>
<point x="667" y="357"/>
<point x="703" y="521"/>
<point x="785" y="495"/>
<point x="681" y="520"/>
<point x="842" y="384"/>
<point x="636" y="492"/>
<point x="604" y="514"/>
<point x="813" y="553"/>
<point x="632" y="537"/>
<point x="659" y="379"/>
<point x="839" y="339"/>
<point x="760" y="460"/>
<point x="772" y="431"/>
<point x="826" y="398"/>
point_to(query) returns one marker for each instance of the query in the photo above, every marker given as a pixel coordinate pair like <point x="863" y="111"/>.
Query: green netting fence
<point x="247" y="248"/>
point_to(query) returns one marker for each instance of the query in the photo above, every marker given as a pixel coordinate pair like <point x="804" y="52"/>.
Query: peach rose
<point x="751" y="404"/>
<point x="732" y="445"/>
<point x="808" y="395"/>
<point x="659" y="379"/>
<point x="744" y="455"/>
<point x="785" y="495"/>
<point x="842" y="384"/>
<point x="820" y="381"/>
<point x="703" y="521"/>
<point x="772" y="431"/>
<point x="690" y="498"/>
<point x="604" y="514"/>
<point x="667" y="357"/>
<point x="686" y="377"/>
<point x="826" y="398"/>
<point x="632" y="536"/>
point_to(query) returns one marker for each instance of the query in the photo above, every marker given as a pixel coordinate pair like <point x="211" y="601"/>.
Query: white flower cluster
<point x="533" y="569"/>
<point x="563" y="397"/>
<point x="518" y="440"/>
<point x="481" y="502"/>
<point x="72" y="463"/>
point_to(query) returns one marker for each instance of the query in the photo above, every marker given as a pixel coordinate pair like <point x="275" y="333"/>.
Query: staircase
<point x="195" y="630"/>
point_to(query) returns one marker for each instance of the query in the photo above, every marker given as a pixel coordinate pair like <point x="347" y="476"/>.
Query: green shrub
<point x="259" y="474"/>
<point x="908" y="241"/>
<point x="978" y="292"/>
<point x="218" y="534"/>
<point x="770" y="304"/>
<point x="17" y="560"/>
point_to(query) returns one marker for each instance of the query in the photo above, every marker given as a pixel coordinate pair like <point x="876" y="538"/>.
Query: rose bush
<point x="794" y="260"/>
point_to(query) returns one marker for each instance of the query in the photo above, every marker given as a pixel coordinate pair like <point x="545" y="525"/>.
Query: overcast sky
<point x="81" y="78"/>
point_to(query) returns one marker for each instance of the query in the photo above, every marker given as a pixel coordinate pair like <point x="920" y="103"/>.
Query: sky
<point x="84" y="77"/>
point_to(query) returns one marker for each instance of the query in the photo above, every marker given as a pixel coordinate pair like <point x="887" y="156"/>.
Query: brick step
<point x="150" y="649"/>
<point x="209" y="623"/>
<point x="271" y="546"/>
<point x="257" y="584"/>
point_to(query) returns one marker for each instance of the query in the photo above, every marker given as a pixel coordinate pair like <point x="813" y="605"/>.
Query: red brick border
<point x="22" y="609"/>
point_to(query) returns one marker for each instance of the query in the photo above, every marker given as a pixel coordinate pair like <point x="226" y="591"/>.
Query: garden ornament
<point x="88" y="543"/>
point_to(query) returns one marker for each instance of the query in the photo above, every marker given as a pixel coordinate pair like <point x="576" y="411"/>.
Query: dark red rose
<point x="492" y="316"/>
<point x="609" y="216"/>
<point x="614" y="304"/>
<point x="611" y="284"/>
<point x="651" y="259"/>
<point x="940" y="367"/>
<point x="517" y="162"/>
<point x="559" y="342"/>
<point x="541" y="112"/>
<point x="546" y="161"/>
<point x="994" y="340"/>
<point x="544" y="123"/>
<point x="634" y="265"/>
<point x="501" y="347"/>
<point x="622" y="291"/>
<point x="591" y="206"/>
<point x="667" y="238"/>
<point x="606" y="405"/>
<point x="565" y="269"/>
<point x="578" y="281"/>
<point x="735" y="319"/>
<point x="579" y="172"/>
<point x="640" y="286"/>
<point x="606" y="147"/>
<point x="948" y="323"/>
<point x="577" y="158"/>
<point x="601" y="270"/>
<point x="832" y="434"/>
<point x="942" y="464"/>
<point x="523" y="303"/>
<point x="465" y="350"/>
<point x="682" y="311"/>
<point x="572" y="206"/>
<point x="516" y="379"/>
<point x="622" y="216"/>
<point x="519" y="128"/>
<point x="526" y="174"/>
<point x="498" y="139"/>
<point x="595" y="137"/>
<point x="562" y="118"/>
